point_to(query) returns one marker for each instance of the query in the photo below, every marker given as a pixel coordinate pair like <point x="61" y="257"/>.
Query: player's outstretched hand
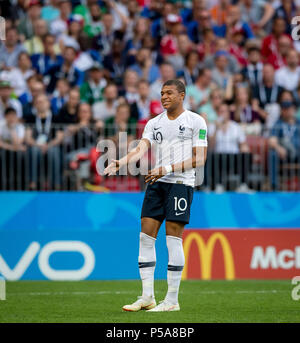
<point x="112" y="168"/>
<point x="155" y="174"/>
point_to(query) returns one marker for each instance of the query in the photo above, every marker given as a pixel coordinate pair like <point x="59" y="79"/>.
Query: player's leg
<point x="174" y="231"/>
<point x="152" y="217"/>
<point x="147" y="262"/>
<point x="177" y="215"/>
<point x="147" y="254"/>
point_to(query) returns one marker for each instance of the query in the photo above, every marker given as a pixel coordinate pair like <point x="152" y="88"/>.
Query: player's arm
<point x="132" y="157"/>
<point x="198" y="160"/>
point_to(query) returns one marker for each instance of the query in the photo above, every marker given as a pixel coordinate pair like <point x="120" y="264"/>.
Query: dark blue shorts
<point x="170" y="201"/>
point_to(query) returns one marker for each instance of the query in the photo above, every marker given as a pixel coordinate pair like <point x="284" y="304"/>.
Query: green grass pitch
<point x="102" y="301"/>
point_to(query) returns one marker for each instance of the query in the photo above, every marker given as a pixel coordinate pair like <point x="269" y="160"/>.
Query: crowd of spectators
<point x="75" y="71"/>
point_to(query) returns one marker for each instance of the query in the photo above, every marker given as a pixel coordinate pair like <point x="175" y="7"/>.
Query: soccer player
<point x="180" y="139"/>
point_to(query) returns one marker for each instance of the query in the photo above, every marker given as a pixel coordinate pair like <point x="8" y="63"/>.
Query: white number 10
<point x="178" y="204"/>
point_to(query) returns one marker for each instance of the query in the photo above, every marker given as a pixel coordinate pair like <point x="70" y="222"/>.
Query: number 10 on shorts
<point x="180" y="204"/>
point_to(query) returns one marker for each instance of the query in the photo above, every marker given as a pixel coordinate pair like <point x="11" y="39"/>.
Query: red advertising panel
<point x="241" y="254"/>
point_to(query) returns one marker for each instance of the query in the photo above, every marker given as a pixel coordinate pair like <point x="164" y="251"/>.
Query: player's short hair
<point x="179" y="85"/>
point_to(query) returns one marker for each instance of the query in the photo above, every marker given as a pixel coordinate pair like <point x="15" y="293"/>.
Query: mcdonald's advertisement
<point x="241" y="254"/>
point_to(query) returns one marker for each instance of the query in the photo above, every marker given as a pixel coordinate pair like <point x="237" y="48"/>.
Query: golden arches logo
<point x="206" y="253"/>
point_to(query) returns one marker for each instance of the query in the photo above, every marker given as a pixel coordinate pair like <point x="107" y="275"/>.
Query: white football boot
<point x="143" y="303"/>
<point x="165" y="307"/>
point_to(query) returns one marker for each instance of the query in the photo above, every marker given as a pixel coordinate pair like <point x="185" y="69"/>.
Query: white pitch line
<point x="273" y="291"/>
<point x="267" y="291"/>
<point x="71" y="293"/>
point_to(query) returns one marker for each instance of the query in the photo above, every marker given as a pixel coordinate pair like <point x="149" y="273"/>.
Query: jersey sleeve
<point x="199" y="132"/>
<point x="148" y="132"/>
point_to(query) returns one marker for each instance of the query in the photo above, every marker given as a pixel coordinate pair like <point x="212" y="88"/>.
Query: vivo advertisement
<point x="77" y="236"/>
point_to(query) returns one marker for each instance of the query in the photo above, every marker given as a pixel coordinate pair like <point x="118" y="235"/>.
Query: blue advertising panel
<point x="90" y="211"/>
<point x="77" y="236"/>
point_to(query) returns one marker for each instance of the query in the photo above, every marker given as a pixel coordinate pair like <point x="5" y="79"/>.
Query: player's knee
<point x="174" y="229"/>
<point x="149" y="227"/>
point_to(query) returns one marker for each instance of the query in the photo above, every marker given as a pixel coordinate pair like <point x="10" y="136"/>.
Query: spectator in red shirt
<point x="278" y="57"/>
<point x="169" y="42"/>
<point x="236" y="47"/>
<point x="270" y="43"/>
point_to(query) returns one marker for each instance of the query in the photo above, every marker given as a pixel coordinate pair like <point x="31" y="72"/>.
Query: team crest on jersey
<point x="181" y="129"/>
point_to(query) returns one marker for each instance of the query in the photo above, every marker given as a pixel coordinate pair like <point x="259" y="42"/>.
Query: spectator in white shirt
<point x="15" y="76"/>
<point x="231" y="152"/>
<point x="10" y="48"/>
<point x="12" y="151"/>
<point x="6" y="100"/>
<point x="226" y="135"/>
<point x="288" y="76"/>
<point x="59" y="26"/>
